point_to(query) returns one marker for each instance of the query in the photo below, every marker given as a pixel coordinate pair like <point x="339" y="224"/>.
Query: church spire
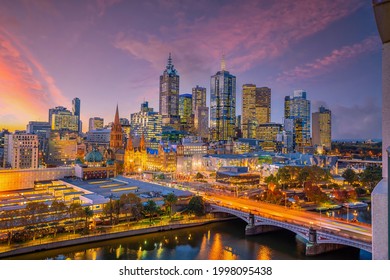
<point x="116" y="132"/>
<point x="129" y="145"/>
<point x="116" y="120"/>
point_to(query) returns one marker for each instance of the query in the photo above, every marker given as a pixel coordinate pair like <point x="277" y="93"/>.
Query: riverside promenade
<point x="114" y="232"/>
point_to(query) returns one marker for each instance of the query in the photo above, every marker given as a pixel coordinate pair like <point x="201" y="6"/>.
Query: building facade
<point x="147" y="122"/>
<point x="297" y="108"/>
<point x="21" y="151"/>
<point x="62" y="119"/>
<point x="256" y="108"/>
<point x="185" y="112"/>
<point x="95" y="123"/>
<point x="14" y="180"/>
<point x="322" y="128"/>
<point x="222" y="105"/>
<point x="76" y="112"/>
<point x="169" y="96"/>
<point x="62" y="148"/>
<point x="198" y="97"/>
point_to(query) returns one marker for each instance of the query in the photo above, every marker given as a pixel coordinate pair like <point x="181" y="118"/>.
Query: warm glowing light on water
<point x="264" y="253"/>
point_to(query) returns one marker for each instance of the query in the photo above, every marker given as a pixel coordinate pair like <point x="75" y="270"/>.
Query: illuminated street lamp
<point x="285" y="199"/>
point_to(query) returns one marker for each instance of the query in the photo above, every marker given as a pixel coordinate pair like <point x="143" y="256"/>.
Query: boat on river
<point x="352" y="205"/>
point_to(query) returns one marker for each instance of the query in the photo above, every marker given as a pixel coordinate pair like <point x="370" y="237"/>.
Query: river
<point x="217" y="241"/>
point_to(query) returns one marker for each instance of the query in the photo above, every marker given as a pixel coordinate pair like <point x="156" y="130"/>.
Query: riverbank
<point x="76" y="239"/>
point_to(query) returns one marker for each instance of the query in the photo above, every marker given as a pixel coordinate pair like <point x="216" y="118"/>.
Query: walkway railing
<point x="108" y="231"/>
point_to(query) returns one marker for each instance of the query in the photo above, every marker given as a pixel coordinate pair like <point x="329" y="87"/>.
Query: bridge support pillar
<point x="313" y="249"/>
<point x="253" y="230"/>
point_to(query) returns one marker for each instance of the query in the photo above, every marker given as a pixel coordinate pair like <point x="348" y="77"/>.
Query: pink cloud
<point x="27" y="91"/>
<point x="327" y="63"/>
<point x="248" y="34"/>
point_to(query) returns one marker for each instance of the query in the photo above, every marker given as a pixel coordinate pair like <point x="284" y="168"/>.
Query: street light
<point x="285" y="199"/>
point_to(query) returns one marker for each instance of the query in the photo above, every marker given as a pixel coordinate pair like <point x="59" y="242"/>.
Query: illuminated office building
<point x="169" y="96"/>
<point x="222" y="105"/>
<point x="322" y="128"/>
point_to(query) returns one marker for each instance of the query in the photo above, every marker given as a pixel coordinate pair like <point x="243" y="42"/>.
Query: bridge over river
<point x="319" y="233"/>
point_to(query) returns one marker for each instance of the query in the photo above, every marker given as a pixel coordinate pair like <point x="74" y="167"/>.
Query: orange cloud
<point x="27" y="91"/>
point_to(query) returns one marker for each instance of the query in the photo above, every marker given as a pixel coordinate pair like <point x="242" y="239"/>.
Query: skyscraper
<point x="249" y="121"/>
<point x="198" y="98"/>
<point x="322" y="128"/>
<point x="185" y="112"/>
<point x="169" y="96"/>
<point x="256" y="108"/>
<point x="223" y="104"/>
<point x="297" y="107"/>
<point x="263" y="105"/>
<point x="200" y="112"/>
<point x="76" y="111"/>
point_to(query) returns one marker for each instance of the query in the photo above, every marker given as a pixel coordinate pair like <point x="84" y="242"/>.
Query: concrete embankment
<point x="102" y="237"/>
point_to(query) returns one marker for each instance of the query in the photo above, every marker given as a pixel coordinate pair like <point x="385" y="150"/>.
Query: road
<point x="358" y="231"/>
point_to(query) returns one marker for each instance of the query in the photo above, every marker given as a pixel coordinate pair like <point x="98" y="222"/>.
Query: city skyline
<point x="105" y="52"/>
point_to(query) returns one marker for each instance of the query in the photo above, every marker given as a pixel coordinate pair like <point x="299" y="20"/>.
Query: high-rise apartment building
<point x="21" y="151"/>
<point x="256" y="108"/>
<point x="297" y="107"/>
<point x="95" y="123"/>
<point x="169" y="96"/>
<point x="222" y="105"/>
<point x="322" y="128"/>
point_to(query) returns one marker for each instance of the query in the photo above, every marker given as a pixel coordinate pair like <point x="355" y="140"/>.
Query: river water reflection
<point x="217" y="241"/>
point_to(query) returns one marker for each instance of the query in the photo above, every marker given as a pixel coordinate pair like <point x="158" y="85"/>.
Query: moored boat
<point x="358" y="204"/>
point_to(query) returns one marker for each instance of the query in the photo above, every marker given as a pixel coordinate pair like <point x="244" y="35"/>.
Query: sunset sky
<point x="113" y="51"/>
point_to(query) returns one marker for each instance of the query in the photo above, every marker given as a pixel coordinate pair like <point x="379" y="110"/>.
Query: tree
<point x="170" y="200"/>
<point x="8" y="221"/>
<point x="87" y="213"/>
<point x="131" y="206"/>
<point x="197" y="206"/>
<point x="303" y="175"/>
<point x="271" y="179"/>
<point x="75" y="212"/>
<point x="150" y="209"/>
<point x="314" y="193"/>
<point x="59" y="208"/>
<point x="34" y="214"/>
<point x="349" y="175"/>
<point x="284" y="176"/>
<point x="371" y="176"/>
